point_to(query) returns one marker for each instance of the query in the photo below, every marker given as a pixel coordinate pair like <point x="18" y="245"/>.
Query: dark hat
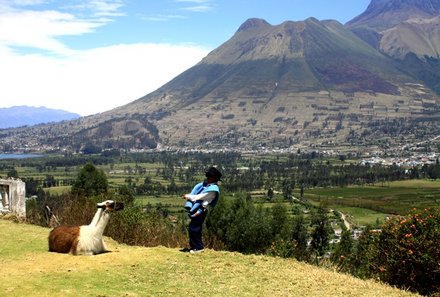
<point x="214" y="173"/>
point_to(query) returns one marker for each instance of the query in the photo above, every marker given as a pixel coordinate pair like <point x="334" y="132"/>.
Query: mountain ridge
<point x="16" y="116"/>
<point x="384" y="14"/>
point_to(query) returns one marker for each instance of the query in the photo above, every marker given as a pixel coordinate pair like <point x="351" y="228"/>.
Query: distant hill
<point x="18" y="116"/>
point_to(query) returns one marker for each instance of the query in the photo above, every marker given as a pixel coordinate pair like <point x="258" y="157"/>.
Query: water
<point x="19" y="156"/>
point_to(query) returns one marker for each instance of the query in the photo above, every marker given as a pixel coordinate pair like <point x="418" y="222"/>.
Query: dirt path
<point x="344" y="219"/>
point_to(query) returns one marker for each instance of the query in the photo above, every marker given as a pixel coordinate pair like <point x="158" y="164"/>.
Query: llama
<point x="86" y="239"/>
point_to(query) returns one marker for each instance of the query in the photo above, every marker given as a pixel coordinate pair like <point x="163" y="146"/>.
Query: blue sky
<point x="91" y="56"/>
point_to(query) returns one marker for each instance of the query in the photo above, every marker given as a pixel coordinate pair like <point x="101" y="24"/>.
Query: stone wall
<point x="13" y="193"/>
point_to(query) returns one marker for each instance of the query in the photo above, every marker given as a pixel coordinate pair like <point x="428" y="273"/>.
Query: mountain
<point x="281" y="85"/>
<point x="307" y="83"/>
<point x="384" y="14"/>
<point x="17" y="116"/>
<point x="401" y="27"/>
<point x="406" y="30"/>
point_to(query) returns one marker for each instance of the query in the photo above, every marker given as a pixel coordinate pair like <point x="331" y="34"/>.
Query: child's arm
<point x="208" y="196"/>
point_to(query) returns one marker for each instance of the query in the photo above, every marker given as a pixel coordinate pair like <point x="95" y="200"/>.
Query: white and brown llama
<point x="86" y="239"/>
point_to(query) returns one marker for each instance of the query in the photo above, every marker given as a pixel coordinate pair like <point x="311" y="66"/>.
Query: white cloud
<point x="100" y="8"/>
<point x="198" y="8"/>
<point x="92" y="81"/>
<point x="203" y="5"/>
<point x="82" y="81"/>
<point x="40" y="29"/>
<point x="23" y="2"/>
<point x="21" y="26"/>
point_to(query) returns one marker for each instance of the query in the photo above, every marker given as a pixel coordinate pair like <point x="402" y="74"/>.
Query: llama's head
<point x="110" y="205"/>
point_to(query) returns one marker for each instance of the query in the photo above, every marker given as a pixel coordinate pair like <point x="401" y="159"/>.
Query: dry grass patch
<point x="28" y="268"/>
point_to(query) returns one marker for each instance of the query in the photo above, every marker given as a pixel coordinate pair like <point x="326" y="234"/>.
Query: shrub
<point x="408" y="251"/>
<point x="135" y="226"/>
<point x="240" y="226"/>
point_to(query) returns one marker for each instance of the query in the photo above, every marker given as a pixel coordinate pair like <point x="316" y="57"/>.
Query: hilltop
<point x="27" y="266"/>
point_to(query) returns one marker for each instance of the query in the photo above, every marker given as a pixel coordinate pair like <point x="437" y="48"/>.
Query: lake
<point x="19" y="156"/>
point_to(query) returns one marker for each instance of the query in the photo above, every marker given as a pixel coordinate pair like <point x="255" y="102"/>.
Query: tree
<point x="49" y="181"/>
<point x="270" y="194"/>
<point x="321" y="232"/>
<point x="31" y="186"/>
<point x="90" y="181"/>
<point x="219" y="221"/>
<point x="12" y="173"/>
<point x="299" y="235"/>
<point x="287" y="189"/>
<point x="127" y="194"/>
<point x="249" y="229"/>
<point x="361" y="259"/>
<point x="280" y="223"/>
<point x="343" y="251"/>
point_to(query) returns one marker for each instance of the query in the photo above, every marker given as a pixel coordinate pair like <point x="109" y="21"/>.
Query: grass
<point x="57" y="190"/>
<point x="29" y="269"/>
<point x="363" y="216"/>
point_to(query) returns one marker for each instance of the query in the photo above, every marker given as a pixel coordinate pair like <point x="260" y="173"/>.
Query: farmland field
<point x="369" y="203"/>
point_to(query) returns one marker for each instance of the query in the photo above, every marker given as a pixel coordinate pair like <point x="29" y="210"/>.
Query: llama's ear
<point x="104" y="203"/>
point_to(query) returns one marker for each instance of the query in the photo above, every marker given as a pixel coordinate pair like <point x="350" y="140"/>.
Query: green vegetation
<point x="396" y="197"/>
<point x="407" y="251"/>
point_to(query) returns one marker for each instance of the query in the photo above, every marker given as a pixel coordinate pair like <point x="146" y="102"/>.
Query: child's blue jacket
<point x="200" y="188"/>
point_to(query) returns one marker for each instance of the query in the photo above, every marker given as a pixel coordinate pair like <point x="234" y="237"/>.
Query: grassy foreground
<point x="28" y="269"/>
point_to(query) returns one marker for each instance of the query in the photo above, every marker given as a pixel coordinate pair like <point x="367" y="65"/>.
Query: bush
<point x="240" y="226"/>
<point x="135" y="226"/>
<point x="408" y="252"/>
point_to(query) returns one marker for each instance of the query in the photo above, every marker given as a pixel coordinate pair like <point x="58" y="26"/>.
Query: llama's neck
<point x="100" y="221"/>
<point x="96" y="218"/>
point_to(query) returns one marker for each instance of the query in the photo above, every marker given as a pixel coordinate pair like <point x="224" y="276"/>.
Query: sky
<point x="88" y="57"/>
